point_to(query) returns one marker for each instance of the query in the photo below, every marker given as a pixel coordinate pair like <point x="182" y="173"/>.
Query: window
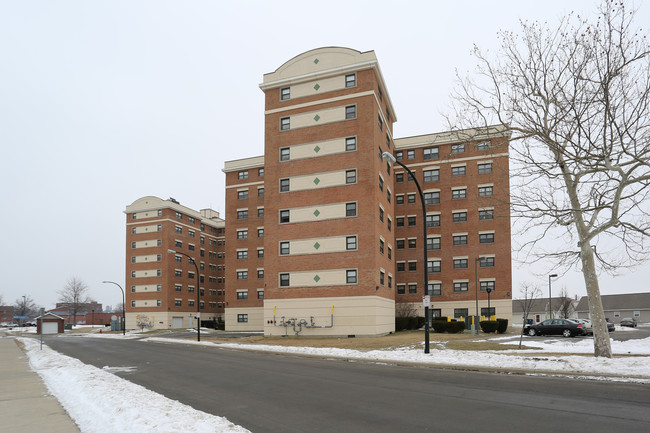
<point x="242" y="318"/>
<point x="260" y="233"/>
<point x="431" y="175"/>
<point x="399" y="199"/>
<point x="485" y="168"/>
<point x="460" y="312"/>
<point x="389" y="224"/>
<point x="381" y="214"/>
<point x="350" y="176"/>
<point x="242" y="214"/>
<point x="350" y="144"/>
<point x="458" y="148"/>
<point x="190" y="302"/>
<point x="390" y="253"/>
<point x="284" y="280"/>
<point x="411" y="198"/>
<point x="351" y="243"/>
<point x="410" y="154"/>
<point x="433" y="221"/>
<point x="351" y="276"/>
<point x="350" y="80"/>
<point x="460" y="286"/>
<point x="285" y="93"/>
<point x="401" y="266"/>
<point x="285" y="123"/>
<point x="485" y="214"/>
<point x="399" y="156"/>
<point x="284" y="248"/>
<point x="284" y="185"/>
<point x="381" y="246"/>
<point x="180" y="215"/>
<point x="485" y="285"/>
<point x="178" y="244"/>
<point x="430" y="153"/>
<point x="260" y="212"/>
<point x="435" y="289"/>
<point x="242" y="234"/>
<point x="400" y="222"/>
<point x="413" y="289"/>
<point x="388" y="142"/>
<point x="178" y="303"/>
<point x="242" y="275"/>
<point x="486" y="238"/>
<point x="178" y="288"/>
<point x="432" y="197"/>
<point x="190" y="247"/>
<point x="434" y="266"/>
<point x="401" y="289"/>
<point x="488" y="312"/>
<point x="242" y="255"/>
<point x="284" y="154"/>
<point x="459" y="217"/>
<point x="380" y="122"/>
<point x="260" y="294"/>
<point x="483" y="145"/>
<point x="399" y="177"/>
<point x="179" y="230"/>
<point x="284" y="216"/>
<point x="260" y="192"/>
<point x="412" y="221"/>
<point x="381" y="277"/>
<point x="460" y="239"/>
<point x="460" y="263"/>
<point x="400" y="244"/>
<point x="458" y="171"/>
<point x="381" y="183"/>
<point x="351" y="112"/>
<point x="458" y="194"/>
<point x="260" y="172"/>
<point x="486" y="262"/>
<point x="242" y="296"/>
<point x="390" y="281"/>
<point x="413" y="266"/>
<point x="413" y="243"/>
<point x="242" y="175"/>
<point x="433" y="244"/>
<point x="485" y="191"/>
<point x="260" y="253"/>
<point x="350" y="209"/>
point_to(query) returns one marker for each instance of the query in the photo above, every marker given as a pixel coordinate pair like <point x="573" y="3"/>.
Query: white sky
<point x="104" y="102"/>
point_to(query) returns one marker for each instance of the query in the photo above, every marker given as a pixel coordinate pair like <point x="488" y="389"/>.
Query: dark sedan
<point x="564" y="327"/>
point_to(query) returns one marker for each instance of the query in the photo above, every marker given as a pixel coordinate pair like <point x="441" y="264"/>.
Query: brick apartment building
<point x="323" y="235"/>
<point x="163" y="286"/>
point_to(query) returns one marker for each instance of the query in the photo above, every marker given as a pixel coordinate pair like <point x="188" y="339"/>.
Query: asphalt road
<point x="282" y="393"/>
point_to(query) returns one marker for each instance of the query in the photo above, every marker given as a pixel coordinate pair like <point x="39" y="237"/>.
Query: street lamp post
<point x="550" y="309"/>
<point x="93" y="310"/>
<point x="123" y="305"/>
<point x="478" y="259"/>
<point x="198" y="292"/>
<point x="489" y="290"/>
<point x="390" y="158"/>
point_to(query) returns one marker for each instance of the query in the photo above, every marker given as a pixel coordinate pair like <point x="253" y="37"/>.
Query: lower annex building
<point x="324" y="237"/>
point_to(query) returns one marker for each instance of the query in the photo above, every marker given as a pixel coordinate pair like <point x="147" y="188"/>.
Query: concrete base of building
<point x="245" y="319"/>
<point x="166" y="319"/>
<point x="335" y="316"/>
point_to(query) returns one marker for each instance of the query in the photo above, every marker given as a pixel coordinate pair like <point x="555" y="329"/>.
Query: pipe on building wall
<point x="301" y="323"/>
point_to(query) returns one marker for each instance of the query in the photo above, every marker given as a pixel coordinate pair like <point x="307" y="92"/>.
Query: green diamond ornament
<point x="317" y="181"/>
<point x="317" y="245"/>
<point x="316" y="61"/>
<point x="317" y="278"/>
<point x="316" y="87"/>
<point x="316" y="212"/>
<point x="317" y="118"/>
<point x="317" y="149"/>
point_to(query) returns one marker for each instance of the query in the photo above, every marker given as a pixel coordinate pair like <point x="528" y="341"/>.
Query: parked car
<point x="586" y="326"/>
<point x="629" y="321"/>
<point x="564" y="327"/>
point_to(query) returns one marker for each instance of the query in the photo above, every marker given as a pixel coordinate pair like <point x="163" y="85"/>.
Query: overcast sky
<point x="103" y="102"/>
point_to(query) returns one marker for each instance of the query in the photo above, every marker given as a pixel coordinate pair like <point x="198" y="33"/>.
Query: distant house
<point x="617" y="307"/>
<point x="51" y="324"/>
<point x="561" y="307"/>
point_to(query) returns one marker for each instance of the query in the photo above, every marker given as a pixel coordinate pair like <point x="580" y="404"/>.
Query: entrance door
<point x="50" y="328"/>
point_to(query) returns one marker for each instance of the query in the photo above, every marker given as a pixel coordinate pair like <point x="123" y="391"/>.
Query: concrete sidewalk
<point x="26" y="406"/>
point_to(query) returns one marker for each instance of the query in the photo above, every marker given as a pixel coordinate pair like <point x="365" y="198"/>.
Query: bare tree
<point x="528" y="294"/>
<point x="143" y="321"/>
<point x="75" y="296"/>
<point x="576" y="102"/>
<point x="405" y="309"/>
<point x="564" y="304"/>
<point x="25" y="306"/>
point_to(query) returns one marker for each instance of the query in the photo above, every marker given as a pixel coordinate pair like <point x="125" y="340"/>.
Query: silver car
<point x="586" y="325"/>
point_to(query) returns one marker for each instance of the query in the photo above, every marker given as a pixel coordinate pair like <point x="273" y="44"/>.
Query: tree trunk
<point x="602" y="346"/>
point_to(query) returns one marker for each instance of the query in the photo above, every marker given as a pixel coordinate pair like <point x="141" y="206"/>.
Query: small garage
<point x="51" y="323"/>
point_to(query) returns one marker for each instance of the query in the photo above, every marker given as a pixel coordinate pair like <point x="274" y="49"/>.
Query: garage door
<point x="177" y="322"/>
<point x="50" y="328"/>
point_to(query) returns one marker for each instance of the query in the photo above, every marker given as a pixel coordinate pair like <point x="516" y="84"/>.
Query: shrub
<point x="420" y="323"/>
<point x="489" y="326"/>
<point x="413" y="323"/>
<point x="503" y="325"/>
<point x="455" y="327"/>
<point x="439" y="326"/>
<point x="441" y="318"/>
<point x="401" y="323"/>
